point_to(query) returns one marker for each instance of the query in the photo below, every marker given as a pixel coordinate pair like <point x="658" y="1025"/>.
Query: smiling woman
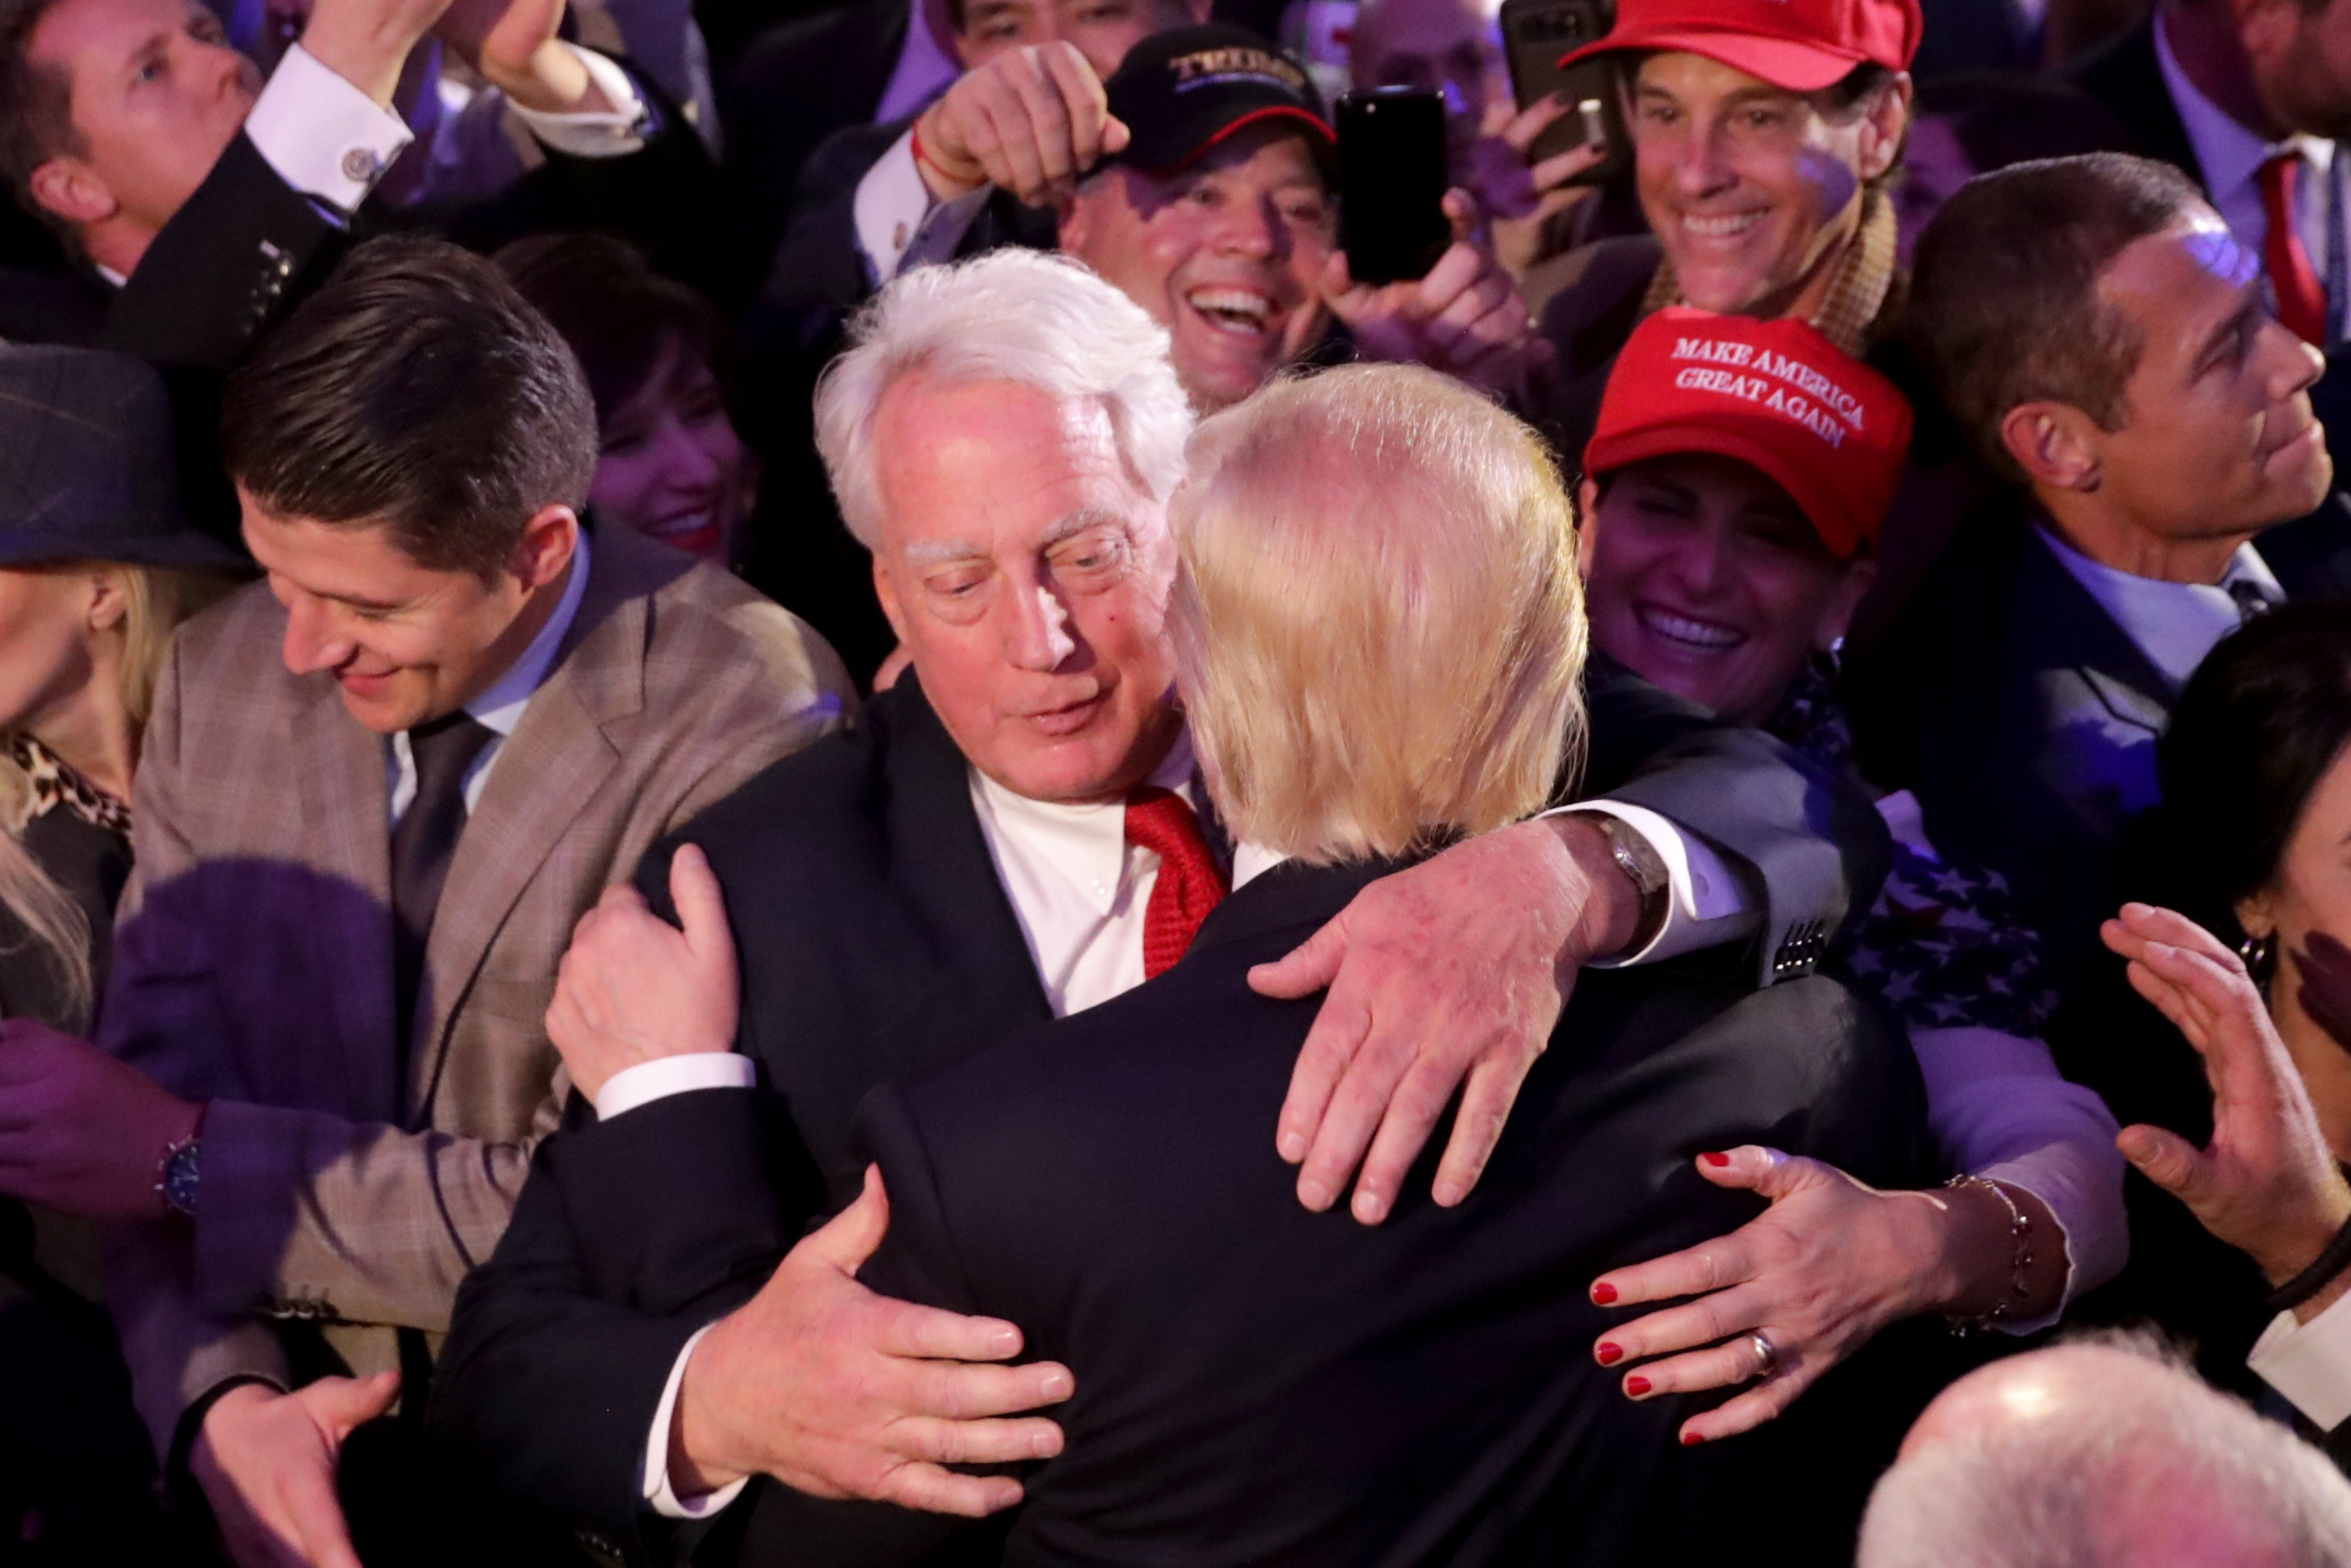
<point x="669" y="465"/>
<point x="1730" y="517"/>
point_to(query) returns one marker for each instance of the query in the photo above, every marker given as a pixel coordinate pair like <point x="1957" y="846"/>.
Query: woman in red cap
<point x="1735" y="487"/>
<point x="1764" y="135"/>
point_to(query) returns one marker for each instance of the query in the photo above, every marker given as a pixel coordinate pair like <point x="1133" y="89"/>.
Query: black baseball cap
<point x="1182" y="91"/>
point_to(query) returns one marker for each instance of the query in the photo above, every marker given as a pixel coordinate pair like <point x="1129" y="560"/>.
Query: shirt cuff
<point x="2310" y="1362"/>
<point x="615" y="134"/>
<point x="650" y="1080"/>
<point x="1705" y="906"/>
<point x="325" y="137"/>
<point x="658" y="1491"/>
<point x="898" y="226"/>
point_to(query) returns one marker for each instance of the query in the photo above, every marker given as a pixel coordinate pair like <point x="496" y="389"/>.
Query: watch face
<point x="180" y="1179"/>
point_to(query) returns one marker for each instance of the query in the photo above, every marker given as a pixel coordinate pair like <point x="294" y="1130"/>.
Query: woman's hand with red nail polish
<point x="1830" y="1263"/>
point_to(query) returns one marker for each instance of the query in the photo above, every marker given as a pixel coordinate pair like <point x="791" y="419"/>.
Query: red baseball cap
<point x="1803" y="45"/>
<point x="1775" y="396"/>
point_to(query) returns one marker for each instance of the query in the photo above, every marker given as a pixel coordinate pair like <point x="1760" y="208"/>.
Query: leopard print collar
<point x="57" y="782"/>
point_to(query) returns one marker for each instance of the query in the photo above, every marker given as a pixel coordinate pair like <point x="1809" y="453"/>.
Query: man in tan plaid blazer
<point x="343" y="1178"/>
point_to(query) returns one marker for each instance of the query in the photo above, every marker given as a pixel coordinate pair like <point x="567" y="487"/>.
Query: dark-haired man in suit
<point x="2103" y="337"/>
<point x="375" y="794"/>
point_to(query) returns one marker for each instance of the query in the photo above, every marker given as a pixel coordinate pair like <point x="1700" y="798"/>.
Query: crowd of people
<point x="776" y="787"/>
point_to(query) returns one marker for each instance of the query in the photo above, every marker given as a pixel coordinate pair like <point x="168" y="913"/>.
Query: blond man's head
<point x="1379" y="628"/>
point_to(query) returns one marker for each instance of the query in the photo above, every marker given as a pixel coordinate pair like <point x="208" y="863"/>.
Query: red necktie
<point x="1189" y="883"/>
<point x="2301" y="302"/>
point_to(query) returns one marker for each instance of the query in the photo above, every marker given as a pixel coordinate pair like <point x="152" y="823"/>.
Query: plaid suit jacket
<point x="345" y="1195"/>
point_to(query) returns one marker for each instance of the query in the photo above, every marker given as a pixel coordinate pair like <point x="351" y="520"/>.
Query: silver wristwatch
<point x="1642" y="866"/>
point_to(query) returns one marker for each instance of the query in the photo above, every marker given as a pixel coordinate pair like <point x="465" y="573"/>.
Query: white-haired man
<point x="1010" y="837"/>
<point x="2099" y="1454"/>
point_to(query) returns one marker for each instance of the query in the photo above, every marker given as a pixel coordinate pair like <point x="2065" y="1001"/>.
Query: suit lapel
<point x="346" y="805"/>
<point x="942" y="862"/>
<point x="541" y="779"/>
<point x="2088" y="639"/>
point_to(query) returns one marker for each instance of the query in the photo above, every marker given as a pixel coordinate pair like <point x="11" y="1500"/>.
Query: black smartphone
<point x="1392" y="179"/>
<point x="1536" y="35"/>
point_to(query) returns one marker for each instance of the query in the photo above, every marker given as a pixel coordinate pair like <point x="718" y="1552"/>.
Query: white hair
<point x="1012" y="315"/>
<point x="2096" y="1482"/>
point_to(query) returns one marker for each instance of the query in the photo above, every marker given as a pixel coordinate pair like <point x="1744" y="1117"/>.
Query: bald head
<point x="2102" y="1453"/>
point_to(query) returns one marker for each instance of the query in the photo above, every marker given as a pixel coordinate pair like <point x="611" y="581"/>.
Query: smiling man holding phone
<point x="1763" y="133"/>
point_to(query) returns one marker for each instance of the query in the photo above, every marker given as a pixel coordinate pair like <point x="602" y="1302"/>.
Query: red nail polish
<point x="1691" y="1439"/>
<point x="1717" y="1161"/>
<point x="1605" y="1293"/>
<point x="1610" y="1355"/>
<point x="1636" y="1385"/>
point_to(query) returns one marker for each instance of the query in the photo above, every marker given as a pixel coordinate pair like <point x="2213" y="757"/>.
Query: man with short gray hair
<point x="2102" y="1453"/>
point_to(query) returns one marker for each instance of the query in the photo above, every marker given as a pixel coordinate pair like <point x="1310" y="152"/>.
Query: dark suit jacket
<point x="794" y="86"/>
<point x="1259" y="1385"/>
<point x="2128" y="78"/>
<point x="878" y="945"/>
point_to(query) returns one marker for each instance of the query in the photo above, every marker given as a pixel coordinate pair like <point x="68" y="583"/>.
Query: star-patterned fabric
<point x="1944" y="945"/>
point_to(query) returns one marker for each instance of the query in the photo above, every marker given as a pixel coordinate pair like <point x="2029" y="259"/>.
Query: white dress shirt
<point x="2309" y="1363"/>
<point x="2175" y="624"/>
<point x="2230" y="158"/>
<point x="500" y="709"/>
<point x="899" y="226"/>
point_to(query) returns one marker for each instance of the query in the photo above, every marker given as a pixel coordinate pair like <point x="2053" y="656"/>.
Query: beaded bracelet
<point x="2313" y="1280"/>
<point x="2019" y="1228"/>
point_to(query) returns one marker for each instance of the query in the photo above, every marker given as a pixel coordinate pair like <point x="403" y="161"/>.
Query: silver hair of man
<point x="1015" y="316"/>
<point x="2072" y="1488"/>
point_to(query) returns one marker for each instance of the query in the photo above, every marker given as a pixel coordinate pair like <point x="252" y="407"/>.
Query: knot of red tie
<point x="1189" y="884"/>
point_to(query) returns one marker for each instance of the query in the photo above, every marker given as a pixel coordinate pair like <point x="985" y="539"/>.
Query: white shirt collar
<point x="1253" y="860"/>
<point x="1087" y="844"/>
<point x="500" y="707"/>
<point x="2175" y="624"/>
<point x="2229" y="154"/>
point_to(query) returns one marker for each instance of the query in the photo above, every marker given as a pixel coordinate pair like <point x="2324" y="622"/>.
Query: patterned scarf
<point x="57" y="782"/>
<point x="1859" y="295"/>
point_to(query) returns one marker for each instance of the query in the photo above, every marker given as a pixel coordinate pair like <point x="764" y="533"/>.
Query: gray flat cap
<point x="88" y="467"/>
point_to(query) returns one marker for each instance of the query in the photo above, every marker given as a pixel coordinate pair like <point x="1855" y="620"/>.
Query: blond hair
<point x="155" y="600"/>
<point x="1379" y="625"/>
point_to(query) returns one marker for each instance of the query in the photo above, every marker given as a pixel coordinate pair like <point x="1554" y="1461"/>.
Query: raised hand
<point x="1033" y="120"/>
<point x="840" y="1393"/>
<point x="367" y="42"/>
<point x="634" y="989"/>
<point x="2267" y="1183"/>
<point x="1467" y="317"/>
<point x="513" y="44"/>
<point x="1521" y="199"/>
<point x="1450" y="976"/>
<point x="266" y="1463"/>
